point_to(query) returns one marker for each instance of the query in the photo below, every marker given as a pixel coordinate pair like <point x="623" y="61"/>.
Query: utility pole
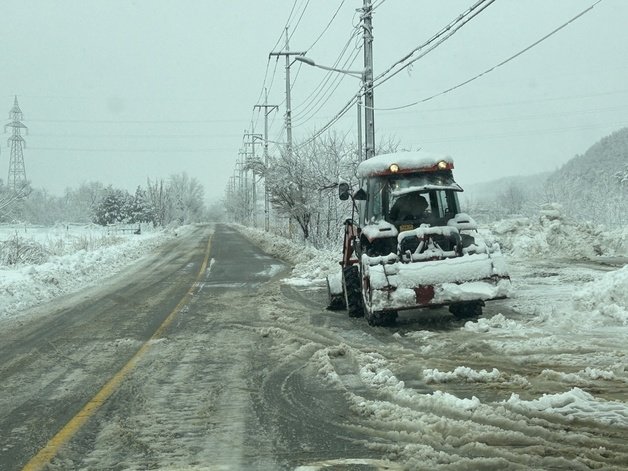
<point x="251" y="164"/>
<point x="360" y="127"/>
<point x="287" y="54"/>
<point x="17" y="172"/>
<point x="369" y="115"/>
<point x="242" y="190"/>
<point x="267" y="109"/>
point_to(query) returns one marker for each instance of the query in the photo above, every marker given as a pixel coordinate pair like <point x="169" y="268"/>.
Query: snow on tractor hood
<point x="406" y="162"/>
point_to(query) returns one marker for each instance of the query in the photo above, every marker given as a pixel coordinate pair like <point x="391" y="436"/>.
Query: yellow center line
<point x="48" y="452"/>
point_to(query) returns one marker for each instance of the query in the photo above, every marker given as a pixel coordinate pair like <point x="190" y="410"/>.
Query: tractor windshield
<point x="409" y="200"/>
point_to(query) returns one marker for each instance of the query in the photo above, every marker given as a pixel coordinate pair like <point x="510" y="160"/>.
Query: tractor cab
<point x="412" y="245"/>
<point x="408" y="198"/>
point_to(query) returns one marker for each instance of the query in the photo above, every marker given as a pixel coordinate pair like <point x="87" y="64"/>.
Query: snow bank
<point x="552" y="235"/>
<point x="497" y="322"/>
<point x="311" y="265"/>
<point x="67" y="261"/>
<point x="575" y="404"/>
<point x="461" y="373"/>
<point x="606" y="297"/>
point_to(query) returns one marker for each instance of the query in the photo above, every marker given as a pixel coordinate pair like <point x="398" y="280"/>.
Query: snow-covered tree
<point x="139" y="209"/>
<point x="186" y="199"/>
<point x="80" y="203"/>
<point x="113" y="208"/>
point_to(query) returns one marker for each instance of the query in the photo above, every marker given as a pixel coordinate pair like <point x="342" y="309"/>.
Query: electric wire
<point x="435" y="41"/>
<point x="491" y="69"/>
<point x="294" y="4"/>
<point x="329" y="124"/>
<point x="377" y="5"/>
<point x="261" y="93"/>
<point x="342" y="2"/>
<point x="312" y="112"/>
<point x="314" y="97"/>
<point x="299" y="20"/>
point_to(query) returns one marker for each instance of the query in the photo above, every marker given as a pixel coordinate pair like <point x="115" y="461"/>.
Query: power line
<point x="294" y="4"/>
<point x="327" y="26"/>
<point x="299" y="20"/>
<point x="378" y="4"/>
<point x="504" y="62"/>
<point x="261" y="93"/>
<point x="338" y="115"/>
<point x="134" y="136"/>
<point x="107" y="121"/>
<point x="312" y="112"/>
<point x="512" y="103"/>
<point x="125" y="151"/>
<point x="514" y="118"/>
<point x="445" y="33"/>
<point x="313" y="97"/>
<point x="534" y="132"/>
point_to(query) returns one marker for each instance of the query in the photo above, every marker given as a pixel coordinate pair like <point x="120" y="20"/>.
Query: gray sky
<point x="118" y="91"/>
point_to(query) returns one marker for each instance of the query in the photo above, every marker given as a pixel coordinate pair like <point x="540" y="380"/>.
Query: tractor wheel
<point x="381" y="318"/>
<point x="353" y="293"/>
<point x="336" y="301"/>
<point x="468" y="310"/>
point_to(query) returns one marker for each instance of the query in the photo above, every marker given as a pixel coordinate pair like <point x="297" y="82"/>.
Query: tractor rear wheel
<point x="381" y="318"/>
<point x="467" y="310"/>
<point x="353" y="292"/>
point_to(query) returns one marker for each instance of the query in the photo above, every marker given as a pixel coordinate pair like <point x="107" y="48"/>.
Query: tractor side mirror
<point x="343" y="191"/>
<point x="360" y="195"/>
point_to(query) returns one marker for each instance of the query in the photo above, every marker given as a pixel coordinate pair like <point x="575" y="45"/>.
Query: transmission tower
<point x="17" y="172"/>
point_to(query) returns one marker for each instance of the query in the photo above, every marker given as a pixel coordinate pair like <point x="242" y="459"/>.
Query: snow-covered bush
<point x="21" y="250"/>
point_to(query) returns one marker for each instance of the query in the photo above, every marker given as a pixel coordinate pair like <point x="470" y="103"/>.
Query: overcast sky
<point x="118" y="91"/>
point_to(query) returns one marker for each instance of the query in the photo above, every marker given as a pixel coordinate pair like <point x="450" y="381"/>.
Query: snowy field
<point x="38" y="263"/>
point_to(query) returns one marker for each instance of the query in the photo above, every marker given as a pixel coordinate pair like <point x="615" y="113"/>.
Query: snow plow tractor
<point x="411" y="246"/>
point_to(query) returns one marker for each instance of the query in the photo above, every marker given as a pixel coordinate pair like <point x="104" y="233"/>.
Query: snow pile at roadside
<point x="311" y="265"/>
<point x="606" y="297"/>
<point x="554" y="236"/>
<point x="23" y="285"/>
<point x="461" y="373"/>
<point x="575" y="404"/>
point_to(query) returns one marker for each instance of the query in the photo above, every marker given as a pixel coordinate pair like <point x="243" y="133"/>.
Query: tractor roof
<point x="405" y="162"/>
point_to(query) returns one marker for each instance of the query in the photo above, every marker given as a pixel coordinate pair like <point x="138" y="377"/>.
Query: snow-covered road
<point x="254" y="373"/>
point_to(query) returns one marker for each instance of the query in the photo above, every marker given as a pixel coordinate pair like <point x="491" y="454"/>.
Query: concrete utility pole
<point x="267" y="109"/>
<point x="242" y="188"/>
<point x="17" y="171"/>
<point x="251" y="164"/>
<point x="287" y="53"/>
<point x="369" y="115"/>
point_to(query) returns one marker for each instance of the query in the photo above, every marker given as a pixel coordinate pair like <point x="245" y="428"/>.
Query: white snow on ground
<point x="574" y="404"/>
<point x="38" y="264"/>
<point x="606" y="297"/>
<point x="558" y="343"/>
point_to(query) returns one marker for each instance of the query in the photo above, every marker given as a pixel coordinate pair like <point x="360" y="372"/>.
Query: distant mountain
<point x="487" y="191"/>
<point x="594" y="186"/>
<point x="590" y="187"/>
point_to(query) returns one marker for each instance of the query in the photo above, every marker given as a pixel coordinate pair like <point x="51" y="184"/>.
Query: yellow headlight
<point x="394" y="168"/>
<point x="442" y="165"/>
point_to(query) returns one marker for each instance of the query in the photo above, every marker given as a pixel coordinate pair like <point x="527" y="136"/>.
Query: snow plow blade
<point x="472" y="278"/>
